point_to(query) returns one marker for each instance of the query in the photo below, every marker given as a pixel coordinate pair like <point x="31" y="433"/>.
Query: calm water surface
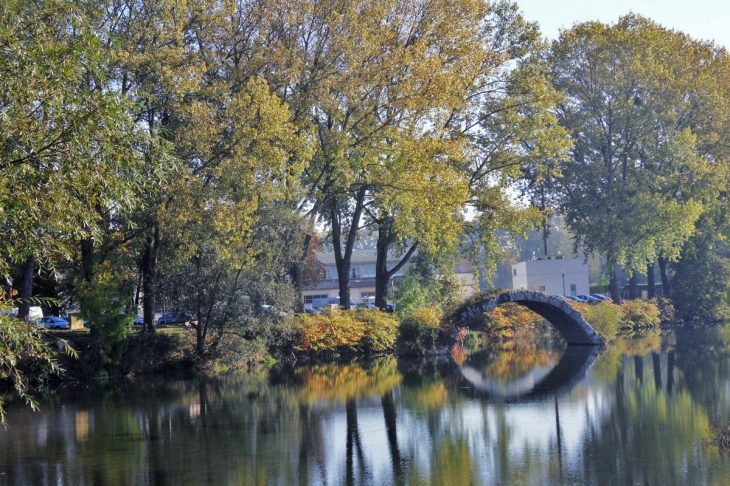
<point x="636" y="413"/>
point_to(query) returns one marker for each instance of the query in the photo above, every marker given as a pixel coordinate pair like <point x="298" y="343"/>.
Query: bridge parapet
<point x="568" y="321"/>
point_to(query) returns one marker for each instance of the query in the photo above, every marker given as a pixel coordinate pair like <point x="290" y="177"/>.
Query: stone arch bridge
<point x="568" y="321"/>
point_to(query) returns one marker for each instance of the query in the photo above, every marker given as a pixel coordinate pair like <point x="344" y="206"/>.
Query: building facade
<point x="362" y="277"/>
<point x="553" y="275"/>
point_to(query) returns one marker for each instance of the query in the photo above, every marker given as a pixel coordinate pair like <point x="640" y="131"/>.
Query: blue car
<point x="173" y="318"/>
<point x="590" y="299"/>
<point x="53" y="322"/>
<point x="602" y="297"/>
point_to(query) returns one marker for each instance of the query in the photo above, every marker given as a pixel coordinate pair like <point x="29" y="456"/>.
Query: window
<point x="514" y="272"/>
<point x="367" y="272"/>
<point x="354" y="272"/>
<point x="573" y="290"/>
<point x="308" y="299"/>
<point x="367" y="294"/>
<point x="541" y="288"/>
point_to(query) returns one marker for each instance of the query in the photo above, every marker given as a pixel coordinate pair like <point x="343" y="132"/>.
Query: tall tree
<point x="634" y="99"/>
<point x="370" y="79"/>
<point x="229" y="135"/>
<point x="67" y="144"/>
<point x="67" y="148"/>
<point x="513" y="130"/>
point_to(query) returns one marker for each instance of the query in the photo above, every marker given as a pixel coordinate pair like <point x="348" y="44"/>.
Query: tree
<point x="372" y="80"/>
<point x="507" y="119"/>
<point x="67" y="144"/>
<point x="68" y="150"/>
<point x="229" y="136"/>
<point x="634" y="99"/>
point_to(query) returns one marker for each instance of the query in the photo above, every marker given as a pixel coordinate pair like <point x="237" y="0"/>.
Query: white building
<point x="553" y="275"/>
<point x="362" y="277"/>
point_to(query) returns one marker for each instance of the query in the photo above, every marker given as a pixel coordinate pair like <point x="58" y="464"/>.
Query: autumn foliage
<point x="362" y="330"/>
<point x="422" y="326"/>
<point x="507" y="319"/>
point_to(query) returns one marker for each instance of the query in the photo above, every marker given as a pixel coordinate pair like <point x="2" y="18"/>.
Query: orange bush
<point x="504" y="320"/>
<point x="338" y="330"/>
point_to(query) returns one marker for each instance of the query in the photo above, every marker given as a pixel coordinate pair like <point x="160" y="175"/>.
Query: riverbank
<point x="337" y="335"/>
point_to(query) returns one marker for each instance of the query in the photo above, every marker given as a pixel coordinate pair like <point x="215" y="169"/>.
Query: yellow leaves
<point x="340" y="383"/>
<point x="505" y="320"/>
<point x="338" y="330"/>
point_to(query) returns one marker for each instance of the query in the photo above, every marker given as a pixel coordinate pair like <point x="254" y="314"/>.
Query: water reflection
<point x="637" y="413"/>
<point x="539" y="383"/>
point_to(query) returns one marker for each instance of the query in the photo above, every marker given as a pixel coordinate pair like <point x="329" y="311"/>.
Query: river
<point x="635" y="413"/>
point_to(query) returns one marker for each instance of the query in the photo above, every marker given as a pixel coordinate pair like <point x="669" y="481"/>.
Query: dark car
<point x="173" y="318"/>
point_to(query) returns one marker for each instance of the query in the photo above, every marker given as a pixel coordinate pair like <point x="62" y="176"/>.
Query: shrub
<point x="638" y="313"/>
<point x="505" y="320"/>
<point x="604" y="317"/>
<point x="422" y="326"/>
<point x="381" y="329"/>
<point x="330" y="330"/>
<point x="343" y="330"/>
<point x="666" y="309"/>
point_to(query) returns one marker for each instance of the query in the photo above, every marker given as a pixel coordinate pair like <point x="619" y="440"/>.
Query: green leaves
<point x="67" y="144"/>
<point x="637" y="178"/>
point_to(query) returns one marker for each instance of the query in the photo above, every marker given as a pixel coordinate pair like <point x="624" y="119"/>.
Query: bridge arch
<point x="568" y="321"/>
<point x="562" y="378"/>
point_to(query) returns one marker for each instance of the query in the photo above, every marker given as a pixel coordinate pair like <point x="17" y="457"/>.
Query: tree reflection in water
<point x="638" y="414"/>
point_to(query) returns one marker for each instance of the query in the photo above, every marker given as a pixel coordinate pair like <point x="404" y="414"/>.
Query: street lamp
<point x="563" y="272"/>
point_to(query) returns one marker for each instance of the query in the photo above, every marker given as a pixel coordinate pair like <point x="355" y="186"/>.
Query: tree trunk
<point x="613" y="283"/>
<point x="382" y="274"/>
<point x="656" y="361"/>
<point x="353" y="445"/>
<point x="87" y="259"/>
<point x="634" y="286"/>
<point x="343" y="260"/>
<point x="650" y="280"/>
<point x="391" y="432"/>
<point x="670" y="373"/>
<point x="666" y="290"/>
<point x="297" y="274"/>
<point x="639" y="368"/>
<point x="149" y="279"/>
<point x="26" y="288"/>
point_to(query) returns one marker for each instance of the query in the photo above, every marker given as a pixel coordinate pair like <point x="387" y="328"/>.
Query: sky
<point x="701" y="19"/>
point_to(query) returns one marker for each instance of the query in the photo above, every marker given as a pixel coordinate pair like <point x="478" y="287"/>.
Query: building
<point x="552" y="274"/>
<point x="362" y="277"/>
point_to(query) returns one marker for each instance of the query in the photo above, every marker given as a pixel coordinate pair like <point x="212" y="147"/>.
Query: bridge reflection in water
<point x="533" y="386"/>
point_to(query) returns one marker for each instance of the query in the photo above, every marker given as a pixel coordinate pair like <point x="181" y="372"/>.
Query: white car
<point x="53" y="322"/>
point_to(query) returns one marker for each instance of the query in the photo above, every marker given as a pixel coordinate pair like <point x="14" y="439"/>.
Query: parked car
<point x="580" y="298"/>
<point x="323" y="303"/>
<point x="53" y="322"/>
<point x="138" y="320"/>
<point x="602" y="297"/>
<point x="173" y="318"/>
<point x="272" y="311"/>
<point x="590" y="299"/>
